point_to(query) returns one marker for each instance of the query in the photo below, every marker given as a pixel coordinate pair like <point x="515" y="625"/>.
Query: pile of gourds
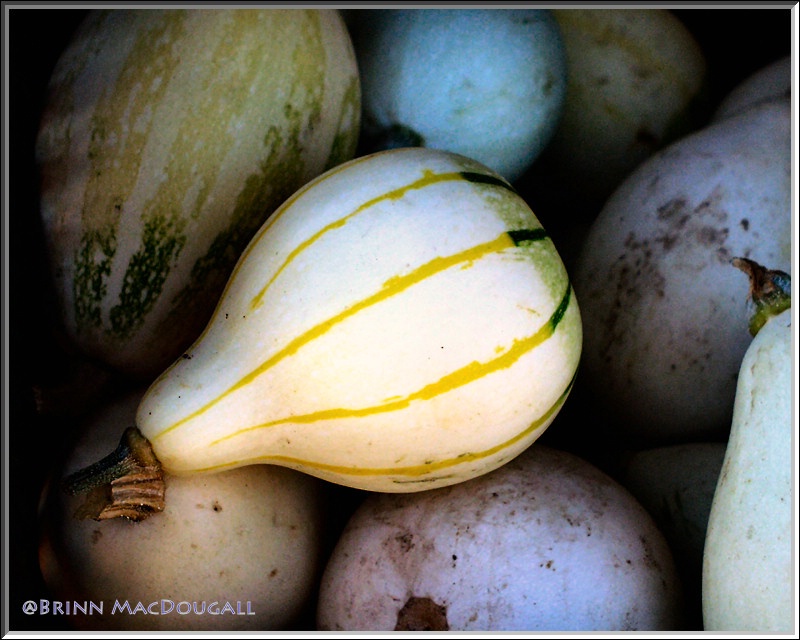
<point x="357" y="383"/>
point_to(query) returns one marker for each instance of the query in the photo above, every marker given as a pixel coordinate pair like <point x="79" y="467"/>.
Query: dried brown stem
<point x="770" y="291"/>
<point x="128" y="483"/>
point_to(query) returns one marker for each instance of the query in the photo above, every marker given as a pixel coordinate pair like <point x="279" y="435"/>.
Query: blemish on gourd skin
<point x="422" y="614"/>
<point x="637" y="272"/>
<point x="405" y="541"/>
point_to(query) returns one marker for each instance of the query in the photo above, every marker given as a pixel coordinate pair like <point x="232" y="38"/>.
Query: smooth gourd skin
<point x="400" y="323"/>
<point x="748" y="567"/>
<point x="167" y="139"/>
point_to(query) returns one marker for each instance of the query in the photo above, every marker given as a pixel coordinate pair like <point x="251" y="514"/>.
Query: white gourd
<point x="403" y="322"/>
<point x="748" y="565"/>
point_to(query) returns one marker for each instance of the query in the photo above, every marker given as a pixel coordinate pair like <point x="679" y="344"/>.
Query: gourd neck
<point x="770" y="291"/>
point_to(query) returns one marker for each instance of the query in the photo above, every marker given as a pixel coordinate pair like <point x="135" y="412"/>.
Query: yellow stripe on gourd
<point x="409" y="471"/>
<point x="390" y="288"/>
<point x="428" y="178"/>
<point x="469" y="373"/>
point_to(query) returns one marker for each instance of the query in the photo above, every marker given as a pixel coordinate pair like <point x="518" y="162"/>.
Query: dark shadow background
<point x="736" y="42"/>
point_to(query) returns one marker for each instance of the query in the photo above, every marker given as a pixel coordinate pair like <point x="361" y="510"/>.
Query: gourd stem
<point x="129" y="482"/>
<point x="113" y="466"/>
<point x="770" y="291"/>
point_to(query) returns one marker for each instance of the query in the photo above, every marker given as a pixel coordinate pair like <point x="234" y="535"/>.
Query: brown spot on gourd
<point x="671" y="209"/>
<point x="635" y="274"/>
<point x="405" y="541"/>
<point x="422" y="614"/>
<point x="710" y="236"/>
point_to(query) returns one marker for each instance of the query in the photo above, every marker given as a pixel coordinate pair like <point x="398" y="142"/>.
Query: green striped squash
<point x="402" y="322"/>
<point x="167" y="139"/>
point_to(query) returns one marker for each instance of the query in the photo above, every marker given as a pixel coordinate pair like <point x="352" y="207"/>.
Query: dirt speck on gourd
<point x="405" y="541"/>
<point x="422" y="614"/>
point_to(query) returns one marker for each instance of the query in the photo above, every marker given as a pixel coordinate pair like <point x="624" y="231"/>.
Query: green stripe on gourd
<point x="163" y="236"/>
<point x="168" y="138"/>
<point x="148" y="268"/>
<point x="342" y="147"/>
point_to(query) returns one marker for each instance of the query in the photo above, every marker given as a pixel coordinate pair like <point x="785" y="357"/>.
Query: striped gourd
<point x="167" y="139"/>
<point x="400" y="323"/>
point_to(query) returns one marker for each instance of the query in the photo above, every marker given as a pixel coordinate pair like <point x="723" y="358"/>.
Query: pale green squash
<point x="167" y="139"/>
<point x="749" y="572"/>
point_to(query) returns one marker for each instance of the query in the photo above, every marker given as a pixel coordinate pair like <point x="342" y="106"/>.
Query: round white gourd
<point x="247" y="544"/>
<point x="634" y="77"/>
<point x="484" y="83"/>
<point x="676" y="485"/>
<point x="661" y="302"/>
<point x="768" y="83"/>
<point x="546" y="543"/>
